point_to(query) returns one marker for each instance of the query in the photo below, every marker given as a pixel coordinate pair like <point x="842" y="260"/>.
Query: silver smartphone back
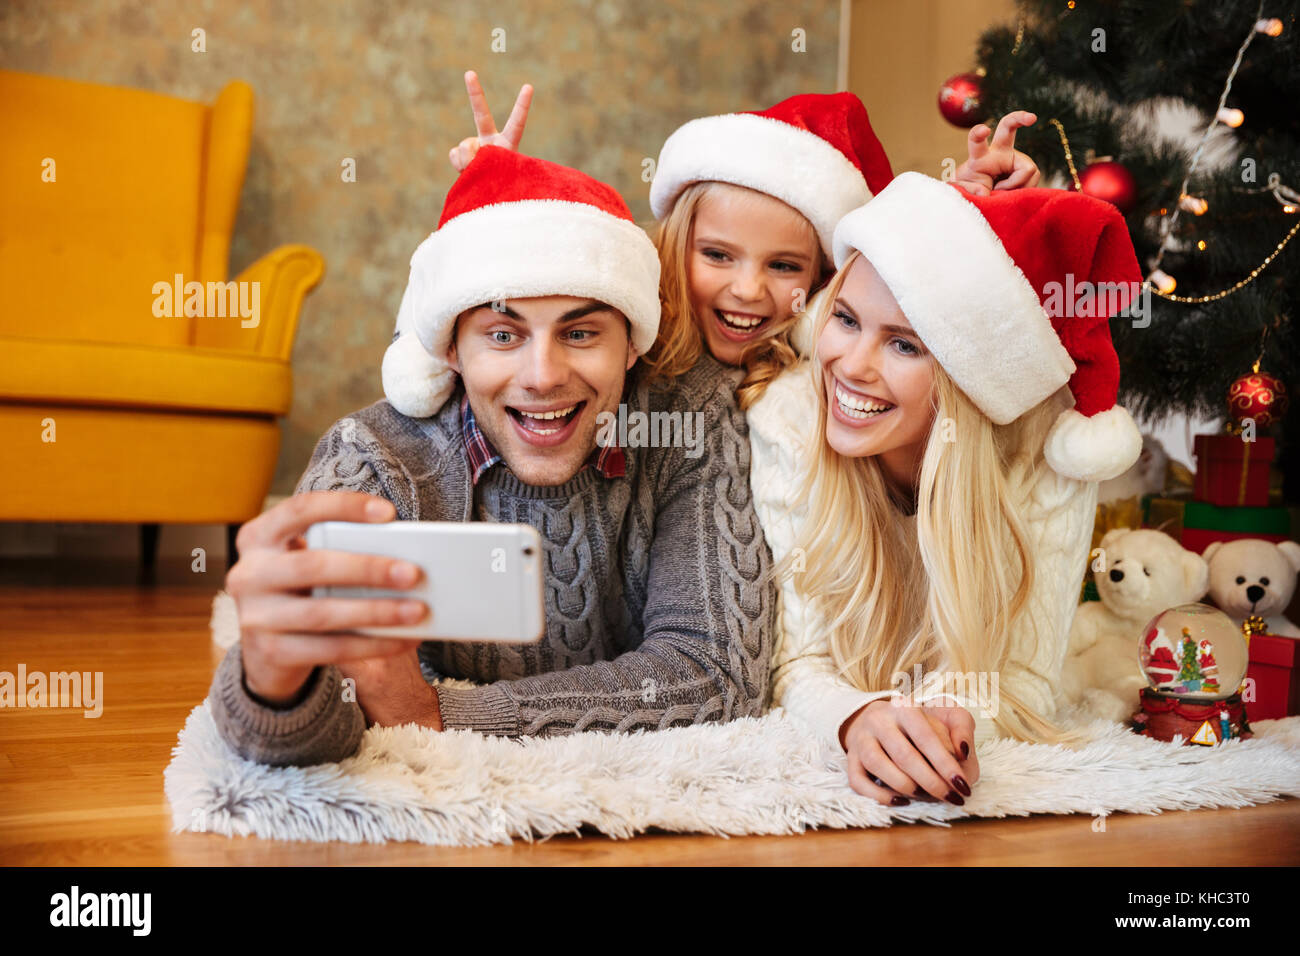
<point x="482" y="580"/>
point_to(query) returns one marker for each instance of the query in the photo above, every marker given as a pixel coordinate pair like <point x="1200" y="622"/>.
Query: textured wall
<point x="901" y="51"/>
<point x="381" y="82"/>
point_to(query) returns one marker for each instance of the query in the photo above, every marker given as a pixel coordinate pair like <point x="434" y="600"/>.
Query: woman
<point x="926" y="484"/>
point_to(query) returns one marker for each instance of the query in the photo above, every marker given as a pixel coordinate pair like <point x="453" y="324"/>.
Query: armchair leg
<point x="149" y="545"/>
<point x="232" y="553"/>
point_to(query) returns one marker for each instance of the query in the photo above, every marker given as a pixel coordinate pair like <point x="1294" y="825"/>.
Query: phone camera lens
<point x="528" y="551"/>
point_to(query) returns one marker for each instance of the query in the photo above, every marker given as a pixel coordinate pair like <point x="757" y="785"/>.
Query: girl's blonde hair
<point x="680" y="344"/>
<point x="948" y="596"/>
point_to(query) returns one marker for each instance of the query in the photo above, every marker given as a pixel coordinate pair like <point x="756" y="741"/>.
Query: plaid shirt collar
<point x="609" y="460"/>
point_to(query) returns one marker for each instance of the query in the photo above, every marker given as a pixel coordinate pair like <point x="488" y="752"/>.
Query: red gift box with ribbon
<point x="1275" y="671"/>
<point x="1231" y="472"/>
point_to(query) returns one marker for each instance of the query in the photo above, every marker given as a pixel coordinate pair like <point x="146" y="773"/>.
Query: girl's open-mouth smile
<point x="739" y="326"/>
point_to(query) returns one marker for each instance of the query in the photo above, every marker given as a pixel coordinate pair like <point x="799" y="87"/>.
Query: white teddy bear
<point x="1252" y="576"/>
<point x="1139" y="574"/>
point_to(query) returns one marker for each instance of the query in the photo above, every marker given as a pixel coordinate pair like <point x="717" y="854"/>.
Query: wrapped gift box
<point x="1275" y="670"/>
<point x="1123" y="513"/>
<point x="1165" y="513"/>
<point x="1231" y="472"/>
<point x="1204" y="524"/>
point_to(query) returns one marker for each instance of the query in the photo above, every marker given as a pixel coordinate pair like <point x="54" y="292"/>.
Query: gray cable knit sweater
<point x="660" y="607"/>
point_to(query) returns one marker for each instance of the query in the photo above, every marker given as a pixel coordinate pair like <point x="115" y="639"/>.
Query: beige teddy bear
<point x="1138" y="573"/>
<point x="1252" y="576"/>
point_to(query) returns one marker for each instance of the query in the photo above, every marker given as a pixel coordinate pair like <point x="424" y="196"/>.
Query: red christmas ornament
<point x="959" y="100"/>
<point x="1110" y="181"/>
<point x="1259" y="396"/>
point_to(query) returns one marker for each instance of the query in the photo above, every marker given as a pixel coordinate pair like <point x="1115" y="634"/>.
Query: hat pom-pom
<point x="1093" y="448"/>
<point x="415" y="383"/>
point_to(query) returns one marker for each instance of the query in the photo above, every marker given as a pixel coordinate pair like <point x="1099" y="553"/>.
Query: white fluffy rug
<point x="752" y="776"/>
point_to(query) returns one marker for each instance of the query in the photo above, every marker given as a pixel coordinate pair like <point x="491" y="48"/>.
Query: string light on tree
<point x="1230" y="117"/>
<point x="1193" y="204"/>
<point x="1224" y="293"/>
<point x="1163" y="281"/>
<point x="1270" y="27"/>
<point x="1286" y="196"/>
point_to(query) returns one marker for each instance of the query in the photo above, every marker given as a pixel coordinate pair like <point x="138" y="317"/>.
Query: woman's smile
<point x="854" y="408"/>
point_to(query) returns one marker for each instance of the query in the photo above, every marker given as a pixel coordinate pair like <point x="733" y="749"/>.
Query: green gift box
<point x="1204" y="524"/>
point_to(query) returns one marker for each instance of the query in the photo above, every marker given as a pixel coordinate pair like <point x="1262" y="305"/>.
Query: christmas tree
<point x="1103" y="70"/>
<point x="1191" y="670"/>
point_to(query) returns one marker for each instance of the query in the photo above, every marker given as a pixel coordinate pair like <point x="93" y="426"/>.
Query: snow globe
<point x="1194" y="659"/>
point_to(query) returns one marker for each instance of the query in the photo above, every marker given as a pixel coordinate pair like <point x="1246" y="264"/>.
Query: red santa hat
<point x="1012" y="293"/>
<point x="816" y="152"/>
<point x="516" y="227"/>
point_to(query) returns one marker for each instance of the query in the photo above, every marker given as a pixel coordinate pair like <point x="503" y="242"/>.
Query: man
<point x="660" y="608"/>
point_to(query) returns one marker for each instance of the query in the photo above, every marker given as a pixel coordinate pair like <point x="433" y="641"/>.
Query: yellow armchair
<point x="137" y="382"/>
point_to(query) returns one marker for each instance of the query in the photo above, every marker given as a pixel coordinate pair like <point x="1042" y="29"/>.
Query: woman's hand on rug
<point x="285" y="633"/>
<point x="462" y="153"/>
<point x="898" y="750"/>
<point x="392" y="690"/>
<point x="998" y="165"/>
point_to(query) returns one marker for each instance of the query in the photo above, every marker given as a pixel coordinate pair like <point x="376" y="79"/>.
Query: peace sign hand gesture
<point x="509" y="137"/>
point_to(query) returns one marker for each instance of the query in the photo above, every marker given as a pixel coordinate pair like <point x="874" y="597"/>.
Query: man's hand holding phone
<point x="285" y="632"/>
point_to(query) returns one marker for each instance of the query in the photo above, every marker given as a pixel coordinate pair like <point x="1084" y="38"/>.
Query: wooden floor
<point x="85" y="792"/>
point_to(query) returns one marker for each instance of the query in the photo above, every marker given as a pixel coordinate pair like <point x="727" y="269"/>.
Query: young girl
<point x="747" y="204"/>
<point x="925" y="482"/>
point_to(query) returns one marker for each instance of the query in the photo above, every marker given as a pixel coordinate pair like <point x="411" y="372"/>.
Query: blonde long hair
<point x="680" y="344"/>
<point x="949" y="596"/>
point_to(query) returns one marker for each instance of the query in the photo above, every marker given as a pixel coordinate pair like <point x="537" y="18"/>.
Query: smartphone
<point x="482" y="581"/>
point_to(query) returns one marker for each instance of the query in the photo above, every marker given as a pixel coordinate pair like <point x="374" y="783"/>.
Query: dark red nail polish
<point x="918" y="792"/>
<point x="965" y="750"/>
<point x="900" y="801"/>
<point x="960" y="783"/>
<point x="954" y="798"/>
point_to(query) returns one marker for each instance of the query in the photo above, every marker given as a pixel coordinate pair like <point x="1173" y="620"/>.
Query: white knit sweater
<point x="1060" y="511"/>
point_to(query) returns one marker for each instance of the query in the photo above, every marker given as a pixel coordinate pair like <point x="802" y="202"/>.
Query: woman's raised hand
<point x="997" y="165"/>
<point x="898" y="750"/>
<point x="509" y="137"/>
